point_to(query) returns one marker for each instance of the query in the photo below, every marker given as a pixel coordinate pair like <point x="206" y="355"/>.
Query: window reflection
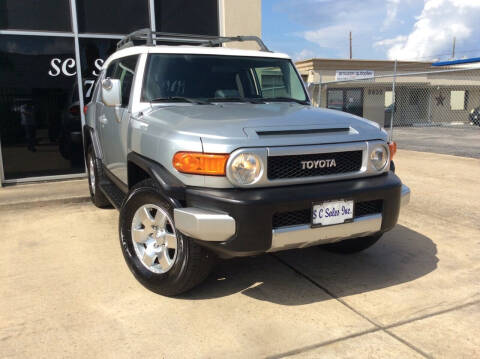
<point x="40" y="125"/>
<point x="187" y="16"/>
<point x="35" y="15"/>
<point x="93" y="53"/>
<point x="112" y="16"/>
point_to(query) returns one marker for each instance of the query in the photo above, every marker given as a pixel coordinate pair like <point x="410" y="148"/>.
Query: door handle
<point x="137" y="117"/>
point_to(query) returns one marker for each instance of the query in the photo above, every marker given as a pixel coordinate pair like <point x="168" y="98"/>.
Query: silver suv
<point x="210" y="152"/>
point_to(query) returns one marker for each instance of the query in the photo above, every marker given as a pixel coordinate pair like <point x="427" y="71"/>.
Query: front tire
<point x="352" y="245"/>
<point x="160" y="257"/>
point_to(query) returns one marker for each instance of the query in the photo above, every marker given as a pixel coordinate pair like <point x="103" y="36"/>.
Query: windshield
<point x="220" y="78"/>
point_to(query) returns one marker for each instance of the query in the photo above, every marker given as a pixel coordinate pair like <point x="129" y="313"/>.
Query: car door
<point x="114" y="121"/>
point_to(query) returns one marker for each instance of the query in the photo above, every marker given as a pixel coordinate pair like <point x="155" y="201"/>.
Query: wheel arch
<point x="140" y="168"/>
<point x="90" y="137"/>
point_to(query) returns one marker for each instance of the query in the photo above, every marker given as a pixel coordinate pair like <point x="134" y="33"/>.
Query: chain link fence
<point x="445" y="97"/>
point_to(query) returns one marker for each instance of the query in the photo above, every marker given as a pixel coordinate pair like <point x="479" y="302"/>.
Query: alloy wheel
<point x="154" y="238"/>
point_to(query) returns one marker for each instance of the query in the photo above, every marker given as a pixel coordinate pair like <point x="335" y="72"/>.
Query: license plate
<point x="332" y="212"/>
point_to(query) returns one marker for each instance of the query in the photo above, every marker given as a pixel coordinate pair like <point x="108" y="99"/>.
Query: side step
<point x="112" y="192"/>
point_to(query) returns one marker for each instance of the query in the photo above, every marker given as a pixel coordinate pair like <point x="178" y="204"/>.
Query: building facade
<point x="424" y="95"/>
<point x="51" y="53"/>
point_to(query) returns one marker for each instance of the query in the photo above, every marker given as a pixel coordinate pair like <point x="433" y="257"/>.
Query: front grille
<point x="292" y="167"/>
<point x="293" y="218"/>
<point x="368" y="207"/>
<point x="303" y="216"/>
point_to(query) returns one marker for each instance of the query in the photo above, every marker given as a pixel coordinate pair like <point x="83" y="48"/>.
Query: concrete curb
<point x="43" y="203"/>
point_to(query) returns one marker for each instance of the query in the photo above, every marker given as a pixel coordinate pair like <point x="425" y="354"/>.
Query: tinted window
<point x="51" y="15"/>
<point x="208" y="77"/>
<point x="187" y="16"/>
<point x="124" y="70"/>
<point x="40" y="124"/>
<point x="111" y="69"/>
<point x="112" y="16"/>
<point x="272" y="81"/>
<point x="93" y="52"/>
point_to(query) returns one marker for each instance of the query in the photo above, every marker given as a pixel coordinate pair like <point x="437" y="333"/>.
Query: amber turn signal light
<point x="393" y="148"/>
<point x="200" y="163"/>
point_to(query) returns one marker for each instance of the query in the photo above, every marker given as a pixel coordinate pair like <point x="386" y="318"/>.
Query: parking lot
<point x="66" y="291"/>
<point x="450" y="140"/>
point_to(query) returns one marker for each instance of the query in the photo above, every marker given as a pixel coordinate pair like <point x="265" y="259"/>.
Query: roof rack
<point x="151" y="37"/>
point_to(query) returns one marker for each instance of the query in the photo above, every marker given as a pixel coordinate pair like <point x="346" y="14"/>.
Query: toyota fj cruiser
<point x="209" y="152"/>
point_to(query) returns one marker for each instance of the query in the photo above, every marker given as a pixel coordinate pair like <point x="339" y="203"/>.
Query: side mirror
<point x="111" y="92"/>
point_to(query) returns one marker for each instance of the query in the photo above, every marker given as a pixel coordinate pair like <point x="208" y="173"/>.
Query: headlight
<point x="379" y="157"/>
<point x="245" y="168"/>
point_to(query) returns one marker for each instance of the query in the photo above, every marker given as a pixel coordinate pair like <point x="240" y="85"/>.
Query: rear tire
<point x="94" y="171"/>
<point x="352" y="245"/>
<point x="159" y="256"/>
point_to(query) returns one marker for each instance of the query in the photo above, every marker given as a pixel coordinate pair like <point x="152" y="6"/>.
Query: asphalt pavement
<point x="452" y="140"/>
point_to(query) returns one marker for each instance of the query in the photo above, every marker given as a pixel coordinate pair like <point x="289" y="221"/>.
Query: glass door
<point x="353" y="102"/>
<point x="40" y="124"/>
<point x="346" y="100"/>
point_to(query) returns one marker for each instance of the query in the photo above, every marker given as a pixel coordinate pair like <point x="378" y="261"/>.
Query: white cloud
<point x="434" y="29"/>
<point x="403" y="29"/>
<point x="389" y="42"/>
<point x="304" y="55"/>
<point x="329" y="22"/>
<point x="392" y="11"/>
<point x="333" y="36"/>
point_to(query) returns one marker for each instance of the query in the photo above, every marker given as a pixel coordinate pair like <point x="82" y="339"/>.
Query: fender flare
<point x="172" y="188"/>
<point x="89" y="132"/>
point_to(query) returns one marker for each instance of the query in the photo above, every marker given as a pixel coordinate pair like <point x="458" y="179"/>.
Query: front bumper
<point x="238" y="222"/>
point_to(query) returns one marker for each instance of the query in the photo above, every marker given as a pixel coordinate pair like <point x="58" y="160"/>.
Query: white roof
<point x="201" y="50"/>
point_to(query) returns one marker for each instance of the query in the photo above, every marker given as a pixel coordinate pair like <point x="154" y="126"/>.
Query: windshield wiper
<point x="286" y="99"/>
<point x="180" y="99"/>
<point x="236" y="99"/>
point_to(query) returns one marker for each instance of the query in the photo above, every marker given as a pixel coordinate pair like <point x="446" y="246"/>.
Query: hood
<point x="227" y="126"/>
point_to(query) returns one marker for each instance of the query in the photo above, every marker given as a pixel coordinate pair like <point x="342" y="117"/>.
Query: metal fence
<point x="446" y="97"/>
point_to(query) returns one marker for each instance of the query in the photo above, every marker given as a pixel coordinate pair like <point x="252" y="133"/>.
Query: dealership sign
<point x="67" y="67"/>
<point x="343" y="75"/>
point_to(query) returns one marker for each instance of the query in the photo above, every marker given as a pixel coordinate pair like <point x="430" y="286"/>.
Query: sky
<point x="381" y="29"/>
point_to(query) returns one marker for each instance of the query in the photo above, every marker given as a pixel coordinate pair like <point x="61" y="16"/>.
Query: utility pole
<point x="453" y="48"/>
<point x="350" y="45"/>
